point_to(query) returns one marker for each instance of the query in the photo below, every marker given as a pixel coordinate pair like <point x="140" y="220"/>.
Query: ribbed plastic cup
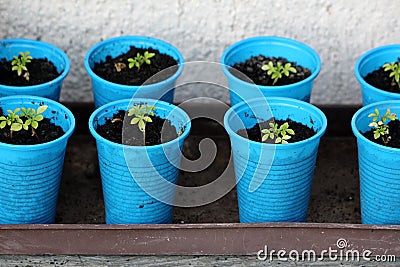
<point x="369" y="62"/>
<point x="272" y="46"/>
<point x="139" y="181"/>
<point x="37" y="49"/>
<point x="379" y="168"/>
<point x="274" y="181"/>
<point x="31" y="174"/>
<point x="105" y="92"/>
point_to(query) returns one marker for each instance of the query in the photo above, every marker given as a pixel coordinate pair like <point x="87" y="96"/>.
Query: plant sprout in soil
<point x="141" y="115"/>
<point x="380" y="126"/>
<point x="140" y="59"/>
<point x="23" y="119"/>
<point x="280" y="133"/>
<point x="19" y="64"/>
<point x="277" y="71"/>
<point x="394" y="69"/>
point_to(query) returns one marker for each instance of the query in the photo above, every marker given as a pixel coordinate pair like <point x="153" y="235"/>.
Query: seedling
<point x="280" y="133"/>
<point x="142" y="114"/>
<point x="277" y="71"/>
<point x="394" y="69"/>
<point x="19" y="64"/>
<point x="31" y="120"/>
<point x="33" y="117"/>
<point x="380" y="126"/>
<point x="140" y="59"/>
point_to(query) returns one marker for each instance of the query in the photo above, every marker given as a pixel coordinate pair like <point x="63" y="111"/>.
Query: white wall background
<point x="339" y="30"/>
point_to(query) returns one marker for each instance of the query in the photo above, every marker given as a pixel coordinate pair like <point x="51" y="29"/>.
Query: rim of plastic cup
<point x="134" y="39"/>
<point x="126" y="103"/>
<point x="58" y="79"/>
<point x="44" y="100"/>
<point x="361" y="60"/>
<point x="273" y="39"/>
<point x="371" y="107"/>
<point x="281" y="102"/>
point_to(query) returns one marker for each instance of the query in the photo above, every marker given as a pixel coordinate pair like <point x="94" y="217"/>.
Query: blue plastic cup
<point x="37" y="49"/>
<point x="273" y="181"/>
<point x="369" y="62"/>
<point x="30" y="175"/>
<point x="270" y="46"/>
<point x="139" y="181"/>
<point x="379" y="168"/>
<point x="105" y="92"/>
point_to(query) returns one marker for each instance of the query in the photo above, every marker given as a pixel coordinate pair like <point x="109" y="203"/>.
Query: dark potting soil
<point x="251" y="69"/>
<point x="117" y="69"/>
<point x="157" y="132"/>
<point x="394" y="133"/>
<point x="380" y="79"/>
<point x="46" y="132"/>
<point x="40" y="71"/>
<point x="302" y="131"/>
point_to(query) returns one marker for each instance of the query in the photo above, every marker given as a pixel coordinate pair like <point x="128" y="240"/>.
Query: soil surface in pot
<point x="157" y="132"/>
<point x="45" y="132"/>
<point x="40" y="71"/>
<point x="380" y="79"/>
<point x="250" y="70"/>
<point x="117" y="69"/>
<point x="301" y="131"/>
<point x="394" y="135"/>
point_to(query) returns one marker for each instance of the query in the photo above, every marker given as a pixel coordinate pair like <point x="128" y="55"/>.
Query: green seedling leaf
<point x="135" y="120"/>
<point x="34" y="124"/>
<point x="15" y="127"/>
<point x="41" y="109"/>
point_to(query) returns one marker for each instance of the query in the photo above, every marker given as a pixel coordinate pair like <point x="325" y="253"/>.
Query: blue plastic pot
<point x="369" y="62"/>
<point x="272" y="46"/>
<point x="379" y="168"/>
<point x="139" y="181"/>
<point x="273" y="181"/>
<point x="105" y="92"/>
<point x="38" y="49"/>
<point x="30" y="174"/>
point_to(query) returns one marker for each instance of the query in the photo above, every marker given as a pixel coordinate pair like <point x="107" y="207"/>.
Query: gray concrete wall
<point x="339" y="30"/>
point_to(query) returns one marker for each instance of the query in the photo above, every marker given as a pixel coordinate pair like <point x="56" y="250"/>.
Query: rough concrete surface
<point x="339" y="30"/>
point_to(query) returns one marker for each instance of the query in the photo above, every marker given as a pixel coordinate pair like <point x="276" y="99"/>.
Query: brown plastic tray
<point x="213" y="229"/>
